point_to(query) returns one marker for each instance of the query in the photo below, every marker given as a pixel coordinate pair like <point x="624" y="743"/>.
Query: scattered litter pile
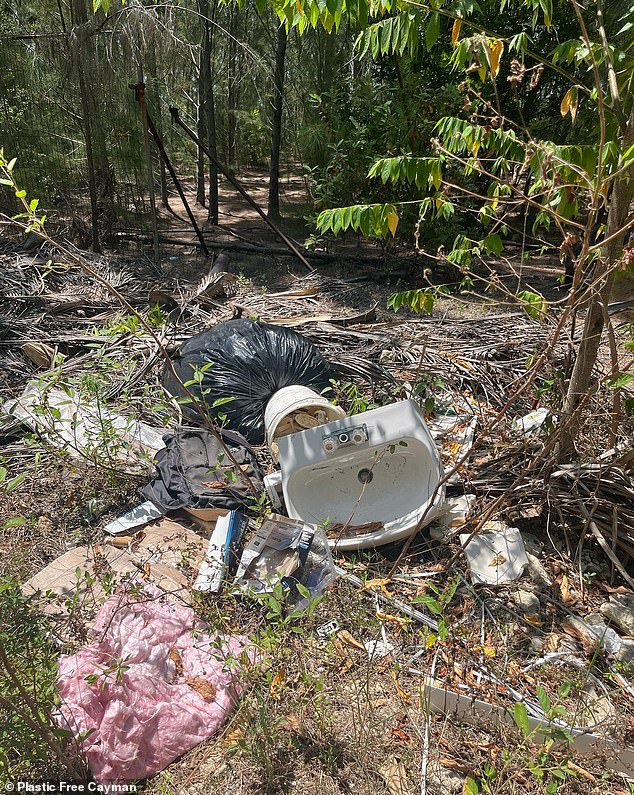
<point x="255" y="502"/>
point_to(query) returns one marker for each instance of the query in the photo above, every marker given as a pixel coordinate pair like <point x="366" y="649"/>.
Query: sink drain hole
<point x="365" y="475"/>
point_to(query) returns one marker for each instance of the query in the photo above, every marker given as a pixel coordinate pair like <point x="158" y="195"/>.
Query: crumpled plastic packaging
<point x="291" y="552"/>
<point x="84" y="428"/>
<point x="163" y="684"/>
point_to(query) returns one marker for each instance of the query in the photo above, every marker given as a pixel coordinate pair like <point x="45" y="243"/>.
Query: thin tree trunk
<point x="327" y="54"/>
<point x="154" y="96"/>
<point x="276" y="133"/>
<point x="90" y="163"/>
<point x="140" y="89"/>
<point x="209" y="104"/>
<point x="232" y="93"/>
<point x="201" y="131"/>
<point x="620" y="199"/>
<point x="99" y="170"/>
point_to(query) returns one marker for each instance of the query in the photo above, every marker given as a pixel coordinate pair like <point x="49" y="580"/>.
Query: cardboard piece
<point x="166" y="554"/>
<point x="206" y="518"/>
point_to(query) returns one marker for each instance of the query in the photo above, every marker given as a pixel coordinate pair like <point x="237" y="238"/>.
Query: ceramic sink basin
<point x="381" y="466"/>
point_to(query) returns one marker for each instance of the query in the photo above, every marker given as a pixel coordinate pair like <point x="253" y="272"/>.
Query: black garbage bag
<point x="193" y="471"/>
<point x="249" y="361"/>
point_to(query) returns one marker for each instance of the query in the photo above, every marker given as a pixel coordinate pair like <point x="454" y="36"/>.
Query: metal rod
<point x="238" y="186"/>
<point x="409" y="611"/>
<point x="170" y="168"/>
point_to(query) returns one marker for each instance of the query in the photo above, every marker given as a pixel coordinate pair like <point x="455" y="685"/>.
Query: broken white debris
<point x="495" y="558"/>
<point x="328" y="629"/>
<point x="616" y="756"/>
<point x="532" y="422"/>
<point x="144" y="513"/>
<point x="377" y="649"/>
<point x="457" y="509"/>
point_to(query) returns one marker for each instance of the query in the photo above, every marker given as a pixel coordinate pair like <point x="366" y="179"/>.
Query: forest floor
<point x="319" y="715"/>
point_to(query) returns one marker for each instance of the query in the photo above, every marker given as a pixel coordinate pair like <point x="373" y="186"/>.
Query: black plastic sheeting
<point x="249" y="361"/>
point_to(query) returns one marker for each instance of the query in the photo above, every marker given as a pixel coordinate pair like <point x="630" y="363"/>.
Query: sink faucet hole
<point x="365" y="475"/>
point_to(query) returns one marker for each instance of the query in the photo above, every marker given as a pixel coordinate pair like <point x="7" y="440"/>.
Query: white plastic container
<point x="290" y="399"/>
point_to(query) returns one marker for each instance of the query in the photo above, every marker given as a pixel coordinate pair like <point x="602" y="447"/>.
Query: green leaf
<point x="564" y="688"/>
<point x="520" y="716"/>
<point x="15" y="521"/>
<point x="221" y="402"/>
<point x="432" y="31"/>
<point x="436" y="174"/>
<point x="544" y="701"/>
<point x="620" y="380"/>
<point x="470" y="787"/>
<point x="519" y="43"/>
<point x="535" y="305"/>
<point x="420" y="301"/>
<point x="493" y="244"/>
<point x="15" y="482"/>
<point x="433" y="605"/>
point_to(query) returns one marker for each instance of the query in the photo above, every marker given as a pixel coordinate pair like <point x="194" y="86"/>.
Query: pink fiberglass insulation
<point x="155" y="688"/>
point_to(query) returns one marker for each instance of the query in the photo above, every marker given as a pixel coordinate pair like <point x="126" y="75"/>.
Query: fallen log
<point x="251" y="248"/>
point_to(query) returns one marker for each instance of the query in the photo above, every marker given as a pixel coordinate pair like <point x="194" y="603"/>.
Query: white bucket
<point x="290" y="399"/>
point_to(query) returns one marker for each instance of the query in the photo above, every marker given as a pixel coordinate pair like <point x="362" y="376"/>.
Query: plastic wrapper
<point x="290" y="552"/>
<point x="249" y="362"/>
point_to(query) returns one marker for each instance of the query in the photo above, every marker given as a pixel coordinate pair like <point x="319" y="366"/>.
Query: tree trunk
<point x="201" y="130"/>
<point x="277" y="103"/>
<point x="327" y="60"/>
<point x="209" y="103"/>
<point x="90" y="163"/>
<point x="232" y="93"/>
<point x="99" y="171"/>
<point x="620" y="199"/>
<point x="155" y="111"/>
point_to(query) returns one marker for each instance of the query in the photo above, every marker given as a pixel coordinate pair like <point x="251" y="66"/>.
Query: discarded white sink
<point x="381" y="466"/>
